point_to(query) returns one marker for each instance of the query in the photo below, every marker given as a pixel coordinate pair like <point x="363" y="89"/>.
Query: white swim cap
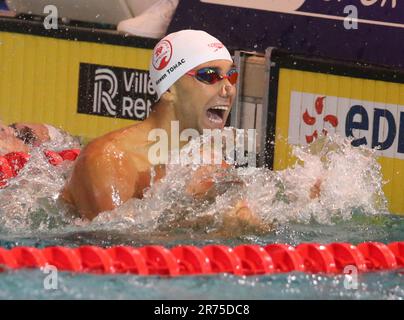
<point x="180" y="52"/>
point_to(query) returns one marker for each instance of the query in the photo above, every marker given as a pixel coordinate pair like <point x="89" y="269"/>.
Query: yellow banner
<point x="39" y="81"/>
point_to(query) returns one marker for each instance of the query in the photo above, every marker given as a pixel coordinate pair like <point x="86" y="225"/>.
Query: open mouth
<point x="216" y="114"/>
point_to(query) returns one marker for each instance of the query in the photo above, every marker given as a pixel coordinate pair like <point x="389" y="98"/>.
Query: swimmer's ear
<point x="169" y="95"/>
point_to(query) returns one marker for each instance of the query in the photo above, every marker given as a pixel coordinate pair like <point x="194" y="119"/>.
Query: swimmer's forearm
<point x="206" y="180"/>
<point x="241" y="220"/>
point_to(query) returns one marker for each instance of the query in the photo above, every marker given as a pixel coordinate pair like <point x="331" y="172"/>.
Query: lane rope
<point x="242" y="260"/>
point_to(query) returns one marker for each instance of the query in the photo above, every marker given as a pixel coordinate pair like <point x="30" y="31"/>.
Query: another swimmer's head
<point x="195" y="73"/>
<point x="31" y="133"/>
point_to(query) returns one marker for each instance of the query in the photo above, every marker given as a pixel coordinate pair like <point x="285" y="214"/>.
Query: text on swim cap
<point x="170" y="70"/>
<point x="175" y="66"/>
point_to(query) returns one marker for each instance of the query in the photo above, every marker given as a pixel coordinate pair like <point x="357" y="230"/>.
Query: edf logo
<point x="375" y="125"/>
<point x="383" y="127"/>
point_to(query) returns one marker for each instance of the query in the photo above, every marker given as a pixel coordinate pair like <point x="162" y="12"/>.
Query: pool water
<point x="351" y="208"/>
<point x="29" y="284"/>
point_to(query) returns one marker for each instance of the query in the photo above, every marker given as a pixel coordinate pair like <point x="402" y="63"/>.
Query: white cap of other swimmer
<point x="180" y="52"/>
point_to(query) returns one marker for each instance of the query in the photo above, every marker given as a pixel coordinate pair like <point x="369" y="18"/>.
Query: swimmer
<point x="21" y="137"/>
<point x="9" y="141"/>
<point x="32" y="134"/>
<point x="194" y="77"/>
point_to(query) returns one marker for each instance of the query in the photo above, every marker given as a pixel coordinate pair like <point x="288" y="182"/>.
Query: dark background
<point x="249" y="29"/>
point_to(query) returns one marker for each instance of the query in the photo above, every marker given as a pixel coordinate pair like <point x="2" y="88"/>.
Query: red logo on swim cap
<point x="216" y="45"/>
<point x="162" y="54"/>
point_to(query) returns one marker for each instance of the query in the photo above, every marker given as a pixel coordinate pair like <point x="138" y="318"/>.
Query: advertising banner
<point x="115" y="92"/>
<point x="357" y="30"/>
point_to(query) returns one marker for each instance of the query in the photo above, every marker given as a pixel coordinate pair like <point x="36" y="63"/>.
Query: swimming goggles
<point x="211" y="75"/>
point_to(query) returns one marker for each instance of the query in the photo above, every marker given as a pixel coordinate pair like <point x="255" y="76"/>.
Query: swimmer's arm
<point x="243" y="220"/>
<point x="100" y="184"/>
<point x="315" y="190"/>
<point x="203" y="180"/>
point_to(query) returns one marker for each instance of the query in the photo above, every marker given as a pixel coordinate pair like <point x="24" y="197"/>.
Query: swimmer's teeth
<point x="214" y="116"/>
<point x="215" y="120"/>
<point x="220" y="108"/>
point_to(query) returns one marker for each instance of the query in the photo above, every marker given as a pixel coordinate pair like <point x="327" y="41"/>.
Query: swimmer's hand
<point x="242" y="220"/>
<point x="238" y="221"/>
<point x="204" y="181"/>
<point x="315" y="190"/>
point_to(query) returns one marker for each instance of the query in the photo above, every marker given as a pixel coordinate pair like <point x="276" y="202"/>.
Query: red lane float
<point x="192" y="260"/>
<point x="53" y="157"/>
<point x="28" y="257"/>
<point x="316" y="258"/>
<point x="17" y="161"/>
<point x="223" y="259"/>
<point x="243" y="260"/>
<point x="12" y="163"/>
<point x="65" y="259"/>
<point x="160" y="261"/>
<point x="285" y="257"/>
<point x="95" y="259"/>
<point x="5" y="171"/>
<point x="378" y="256"/>
<point x="7" y="259"/>
<point x="69" y="155"/>
<point x="398" y="250"/>
<point x="254" y="259"/>
<point x="128" y="260"/>
<point x="346" y="254"/>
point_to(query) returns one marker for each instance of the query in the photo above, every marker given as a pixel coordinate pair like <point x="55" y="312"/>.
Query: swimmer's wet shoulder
<point x="109" y="171"/>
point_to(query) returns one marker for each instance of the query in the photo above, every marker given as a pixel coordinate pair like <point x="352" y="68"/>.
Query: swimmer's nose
<point x="227" y="89"/>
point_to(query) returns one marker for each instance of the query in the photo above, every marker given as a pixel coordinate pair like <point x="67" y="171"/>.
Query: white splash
<point x="350" y="179"/>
